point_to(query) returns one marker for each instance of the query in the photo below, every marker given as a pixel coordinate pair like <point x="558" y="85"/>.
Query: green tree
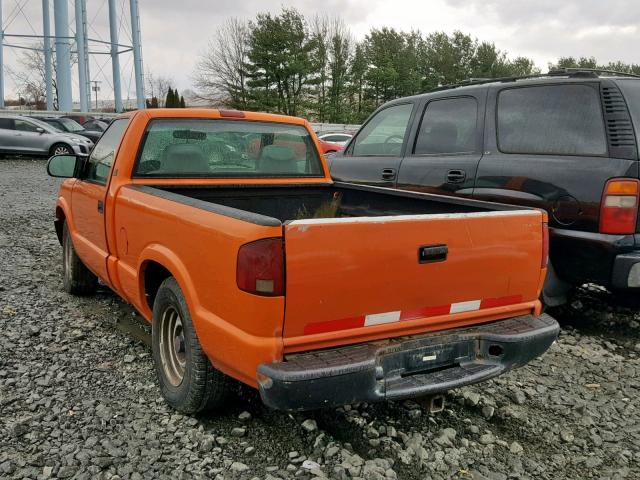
<point x="358" y="70"/>
<point x="182" y="104"/>
<point x="280" y="64"/>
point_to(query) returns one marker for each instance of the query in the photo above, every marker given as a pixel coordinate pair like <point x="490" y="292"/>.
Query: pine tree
<point x="182" y="104"/>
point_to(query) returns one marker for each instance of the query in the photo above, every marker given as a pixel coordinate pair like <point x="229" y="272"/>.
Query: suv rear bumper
<point x="589" y="257"/>
<point x="404" y="367"/>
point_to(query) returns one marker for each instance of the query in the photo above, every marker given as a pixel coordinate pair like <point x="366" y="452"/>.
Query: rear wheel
<point x="188" y="381"/>
<point x="77" y="278"/>
<point x="60" y="149"/>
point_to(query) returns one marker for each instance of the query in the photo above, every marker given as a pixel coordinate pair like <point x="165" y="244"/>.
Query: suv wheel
<point x="61" y="149"/>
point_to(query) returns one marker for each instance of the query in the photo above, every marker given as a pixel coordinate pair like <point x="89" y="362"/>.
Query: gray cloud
<point x="174" y="32"/>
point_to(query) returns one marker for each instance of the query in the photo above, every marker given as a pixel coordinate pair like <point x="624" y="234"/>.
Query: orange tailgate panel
<point x="362" y="274"/>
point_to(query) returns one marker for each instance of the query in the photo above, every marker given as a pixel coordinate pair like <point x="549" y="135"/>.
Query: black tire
<point x="76" y="277"/>
<point x="60" y="149"/>
<point x="189" y="383"/>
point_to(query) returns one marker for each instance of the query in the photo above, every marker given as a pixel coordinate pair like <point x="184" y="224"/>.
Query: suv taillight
<point x="260" y="267"/>
<point x="619" y="207"/>
<point x="545" y="245"/>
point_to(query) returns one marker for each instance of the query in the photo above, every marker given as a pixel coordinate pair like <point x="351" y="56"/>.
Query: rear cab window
<point x="551" y="119"/>
<point x="211" y="148"/>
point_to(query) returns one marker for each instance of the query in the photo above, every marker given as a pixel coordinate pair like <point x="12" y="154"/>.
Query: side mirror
<point x="63" y="166"/>
<point x="40" y="130"/>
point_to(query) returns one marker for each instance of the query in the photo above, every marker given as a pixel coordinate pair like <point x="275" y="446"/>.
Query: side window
<point x="551" y="119"/>
<point x="102" y="155"/>
<point x="24" y="126"/>
<point x="6" y="124"/>
<point x="448" y="126"/>
<point x="384" y="133"/>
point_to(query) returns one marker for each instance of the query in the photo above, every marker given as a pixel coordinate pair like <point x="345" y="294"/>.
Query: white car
<point x="337" y="138"/>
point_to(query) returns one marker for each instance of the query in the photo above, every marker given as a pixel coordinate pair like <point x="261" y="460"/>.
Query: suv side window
<point x="448" y="126"/>
<point x="7" y="124"/>
<point x="384" y="134"/>
<point x="24" y="126"/>
<point x="551" y="119"/>
<point x="102" y="155"/>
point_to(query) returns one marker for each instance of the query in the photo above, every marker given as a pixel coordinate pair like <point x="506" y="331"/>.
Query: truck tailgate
<point x="347" y="278"/>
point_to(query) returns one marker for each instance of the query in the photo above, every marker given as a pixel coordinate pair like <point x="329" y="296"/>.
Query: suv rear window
<point x="551" y="119"/>
<point x="208" y="148"/>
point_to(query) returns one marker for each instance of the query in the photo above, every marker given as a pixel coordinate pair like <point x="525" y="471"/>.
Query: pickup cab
<point x="226" y="232"/>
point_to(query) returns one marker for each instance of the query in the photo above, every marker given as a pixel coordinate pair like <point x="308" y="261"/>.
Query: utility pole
<point x="1" y="57"/>
<point x="137" y="53"/>
<point x="95" y="88"/>
<point x="115" y="59"/>
<point x="46" y="42"/>
<point x="63" y="55"/>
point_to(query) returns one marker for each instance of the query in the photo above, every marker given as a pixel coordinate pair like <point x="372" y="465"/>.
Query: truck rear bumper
<point x="404" y="367"/>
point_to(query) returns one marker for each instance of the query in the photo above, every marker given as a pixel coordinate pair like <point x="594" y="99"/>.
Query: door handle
<point x="388" y="173"/>
<point x="456" y="176"/>
<point x="100" y="206"/>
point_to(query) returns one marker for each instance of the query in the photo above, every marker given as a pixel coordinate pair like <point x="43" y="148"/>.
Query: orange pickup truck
<point x="226" y="232"/>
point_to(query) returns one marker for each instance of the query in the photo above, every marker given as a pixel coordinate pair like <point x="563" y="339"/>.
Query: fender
<point x="169" y="260"/>
<point x="218" y="337"/>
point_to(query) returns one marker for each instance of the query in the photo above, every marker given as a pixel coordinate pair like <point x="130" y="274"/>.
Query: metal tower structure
<point x="86" y="47"/>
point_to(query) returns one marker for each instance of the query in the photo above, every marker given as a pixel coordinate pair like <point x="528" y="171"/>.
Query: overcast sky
<point x="174" y="32"/>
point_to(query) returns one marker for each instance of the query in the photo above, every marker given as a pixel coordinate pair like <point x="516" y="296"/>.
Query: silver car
<point x="25" y="135"/>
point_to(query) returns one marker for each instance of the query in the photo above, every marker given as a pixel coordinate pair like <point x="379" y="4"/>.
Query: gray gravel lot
<point x="78" y="397"/>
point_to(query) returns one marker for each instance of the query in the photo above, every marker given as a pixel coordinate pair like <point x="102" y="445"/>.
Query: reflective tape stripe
<point x="399" y="316"/>
<point x="378" y="318"/>
<point x="469" y="306"/>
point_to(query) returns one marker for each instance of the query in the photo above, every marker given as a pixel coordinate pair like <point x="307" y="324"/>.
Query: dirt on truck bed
<point x="79" y="399"/>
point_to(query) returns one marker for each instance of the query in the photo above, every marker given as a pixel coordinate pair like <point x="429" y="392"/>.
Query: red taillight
<point x="545" y="245"/>
<point x="260" y="268"/>
<point x="619" y="208"/>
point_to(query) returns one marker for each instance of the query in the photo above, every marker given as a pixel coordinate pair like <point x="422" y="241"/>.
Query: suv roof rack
<point x="570" y="72"/>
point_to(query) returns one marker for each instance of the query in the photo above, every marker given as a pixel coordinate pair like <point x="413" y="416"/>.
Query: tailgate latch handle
<point x="432" y="253"/>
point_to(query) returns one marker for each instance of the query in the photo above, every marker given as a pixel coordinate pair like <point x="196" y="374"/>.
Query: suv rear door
<point x="444" y="153"/>
<point x="373" y="157"/>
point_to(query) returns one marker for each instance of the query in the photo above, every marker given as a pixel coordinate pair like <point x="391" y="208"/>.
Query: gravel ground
<point x="78" y="397"/>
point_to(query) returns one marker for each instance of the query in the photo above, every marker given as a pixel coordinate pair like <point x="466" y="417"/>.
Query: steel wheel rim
<point x="172" y="346"/>
<point x="61" y="151"/>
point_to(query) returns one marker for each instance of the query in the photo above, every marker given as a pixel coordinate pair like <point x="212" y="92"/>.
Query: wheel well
<point x="154" y="275"/>
<point x="58" y="223"/>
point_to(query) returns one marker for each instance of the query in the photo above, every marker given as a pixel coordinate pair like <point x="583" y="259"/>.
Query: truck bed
<point x="392" y="262"/>
<point x="340" y="200"/>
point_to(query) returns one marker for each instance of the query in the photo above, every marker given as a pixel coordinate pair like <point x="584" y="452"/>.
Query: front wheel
<point x="60" y="149"/>
<point x="77" y="278"/>
<point x="188" y="381"/>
